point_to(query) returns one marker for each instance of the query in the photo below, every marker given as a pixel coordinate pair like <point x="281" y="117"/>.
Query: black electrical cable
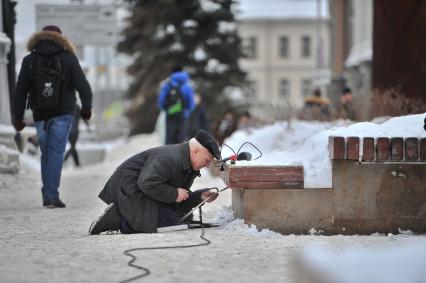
<point x="146" y="270"/>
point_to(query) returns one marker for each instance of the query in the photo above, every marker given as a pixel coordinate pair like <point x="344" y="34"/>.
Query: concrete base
<point x="290" y="211"/>
<point x="379" y="197"/>
<point x="366" y="198"/>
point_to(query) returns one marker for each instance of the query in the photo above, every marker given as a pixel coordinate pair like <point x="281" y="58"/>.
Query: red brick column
<point x="352" y="148"/>
<point x="411" y="149"/>
<point x="382" y="149"/>
<point x="423" y="149"/>
<point x="368" y="149"/>
<point x="336" y="147"/>
<point x="397" y="149"/>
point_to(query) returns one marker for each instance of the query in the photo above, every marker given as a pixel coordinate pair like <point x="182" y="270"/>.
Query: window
<point x="250" y="47"/>
<point x="284" y="90"/>
<point x="306" y="87"/>
<point x="306" y="47"/>
<point x="284" y="46"/>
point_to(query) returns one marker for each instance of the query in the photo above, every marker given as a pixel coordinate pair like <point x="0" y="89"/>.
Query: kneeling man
<point x="148" y="190"/>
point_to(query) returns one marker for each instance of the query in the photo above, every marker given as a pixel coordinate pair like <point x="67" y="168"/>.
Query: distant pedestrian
<point x="73" y="137"/>
<point x="177" y="99"/>
<point x="245" y="121"/>
<point x="225" y="126"/>
<point x="316" y="107"/>
<point x="198" y="119"/>
<point x="49" y="76"/>
<point x="347" y="109"/>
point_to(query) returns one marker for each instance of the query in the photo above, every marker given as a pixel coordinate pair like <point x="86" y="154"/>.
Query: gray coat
<point x="147" y="178"/>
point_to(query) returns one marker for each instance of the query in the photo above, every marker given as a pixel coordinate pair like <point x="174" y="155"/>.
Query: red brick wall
<point x="380" y="149"/>
<point x="265" y="177"/>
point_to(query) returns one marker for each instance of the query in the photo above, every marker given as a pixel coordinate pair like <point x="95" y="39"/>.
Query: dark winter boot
<point x="108" y="221"/>
<point x="55" y="203"/>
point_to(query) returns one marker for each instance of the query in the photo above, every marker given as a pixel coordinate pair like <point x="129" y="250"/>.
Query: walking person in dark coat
<point x="148" y="190"/>
<point x="177" y="99"/>
<point x="49" y="76"/>
<point x="73" y="137"/>
<point x="198" y="119"/>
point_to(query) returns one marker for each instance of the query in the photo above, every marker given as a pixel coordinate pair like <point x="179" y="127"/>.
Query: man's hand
<point x="182" y="195"/>
<point x="86" y="113"/>
<point x="19" y="125"/>
<point x="208" y="194"/>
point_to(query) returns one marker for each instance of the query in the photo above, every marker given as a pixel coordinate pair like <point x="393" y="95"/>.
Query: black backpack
<point x="174" y="100"/>
<point x="48" y="82"/>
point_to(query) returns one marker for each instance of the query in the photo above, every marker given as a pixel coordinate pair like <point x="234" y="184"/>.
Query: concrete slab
<point x="9" y="160"/>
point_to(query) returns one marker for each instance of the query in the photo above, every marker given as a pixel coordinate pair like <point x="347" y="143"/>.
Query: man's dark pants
<point x="175" y="129"/>
<point x="168" y="213"/>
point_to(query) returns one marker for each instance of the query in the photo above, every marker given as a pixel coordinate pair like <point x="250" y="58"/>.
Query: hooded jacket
<point x="142" y="181"/>
<point x="178" y="78"/>
<point x="49" y="43"/>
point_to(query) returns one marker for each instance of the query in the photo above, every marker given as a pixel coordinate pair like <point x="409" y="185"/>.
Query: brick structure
<point x="382" y="149"/>
<point x="352" y="148"/>
<point x="381" y="192"/>
<point x="397" y="149"/>
<point x="266" y="177"/>
<point x="423" y="149"/>
<point x="411" y="149"/>
<point x="368" y="149"/>
<point x="336" y="147"/>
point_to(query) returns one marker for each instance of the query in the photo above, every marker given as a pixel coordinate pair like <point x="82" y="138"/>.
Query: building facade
<point x="286" y="58"/>
<point x="351" y="49"/>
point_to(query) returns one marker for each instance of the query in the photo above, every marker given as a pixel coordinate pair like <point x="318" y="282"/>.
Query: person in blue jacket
<point x="176" y="98"/>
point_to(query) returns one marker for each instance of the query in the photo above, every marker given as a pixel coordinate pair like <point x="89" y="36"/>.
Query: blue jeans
<point x="53" y="140"/>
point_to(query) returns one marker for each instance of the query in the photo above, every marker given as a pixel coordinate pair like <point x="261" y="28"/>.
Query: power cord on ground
<point x="146" y="270"/>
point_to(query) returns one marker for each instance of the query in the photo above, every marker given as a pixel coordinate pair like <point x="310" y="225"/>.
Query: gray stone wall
<point x="4" y="85"/>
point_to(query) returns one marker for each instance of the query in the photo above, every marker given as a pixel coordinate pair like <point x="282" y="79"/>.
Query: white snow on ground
<point x="42" y="245"/>
<point x="306" y="143"/>
<point x="404" y="263"/>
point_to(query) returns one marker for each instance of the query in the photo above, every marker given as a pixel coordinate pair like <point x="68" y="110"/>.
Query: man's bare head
<point x="199" y="155"/>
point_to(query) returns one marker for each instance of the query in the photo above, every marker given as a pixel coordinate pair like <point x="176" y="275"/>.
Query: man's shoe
<point x="45" y="203"/>
<point x="108" y="221"/>
<point x="55" y="203"/>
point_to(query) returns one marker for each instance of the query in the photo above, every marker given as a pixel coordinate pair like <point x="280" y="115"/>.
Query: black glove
<point x="19" y="125"/>
<point x="19" y="142"/>
<point x="86" y="113"/>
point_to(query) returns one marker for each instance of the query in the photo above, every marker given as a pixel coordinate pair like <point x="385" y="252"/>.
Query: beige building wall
<point x="268" y="67"/>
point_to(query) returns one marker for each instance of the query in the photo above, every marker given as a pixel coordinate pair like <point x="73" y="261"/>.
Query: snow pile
<point x="238" y="226"/>
<point x="306" y="143"/>
<point x="360" y="53"/>
<point x="392" y="264"/>
<point x="30" y="163"/>
<point x="224" y="216"/>
<point x="7" y="129"/>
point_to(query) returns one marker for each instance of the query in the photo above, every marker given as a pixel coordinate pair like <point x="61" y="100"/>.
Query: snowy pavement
<point x="52" y="245"/>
